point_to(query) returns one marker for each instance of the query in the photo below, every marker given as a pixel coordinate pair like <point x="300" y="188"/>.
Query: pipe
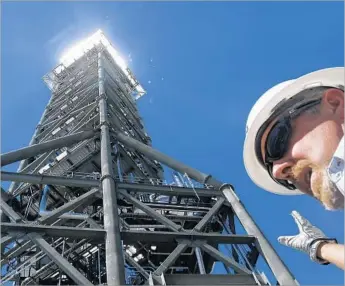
<point x="113" y="245"/>
<point x="34" y="150"/>
<point x="51" y="180"/>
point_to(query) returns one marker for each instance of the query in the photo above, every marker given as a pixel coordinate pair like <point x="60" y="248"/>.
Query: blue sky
<point x="203" y="66"/>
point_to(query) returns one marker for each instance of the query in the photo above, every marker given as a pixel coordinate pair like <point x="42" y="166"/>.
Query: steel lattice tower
<point x="90" y="203"/>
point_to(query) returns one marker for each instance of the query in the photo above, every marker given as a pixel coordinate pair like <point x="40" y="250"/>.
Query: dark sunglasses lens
<point x="277" y="140"/>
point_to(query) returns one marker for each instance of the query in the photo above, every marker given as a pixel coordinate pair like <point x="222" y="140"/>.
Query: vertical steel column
<point x="113" y="244"/>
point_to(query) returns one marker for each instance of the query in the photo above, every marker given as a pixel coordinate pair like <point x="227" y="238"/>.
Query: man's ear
<point x="333" y="101"/>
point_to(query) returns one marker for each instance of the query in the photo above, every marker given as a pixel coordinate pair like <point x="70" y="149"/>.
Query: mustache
<point x="324" y="190"/>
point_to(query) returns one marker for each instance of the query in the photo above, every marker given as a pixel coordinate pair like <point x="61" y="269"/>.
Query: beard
<point x="321" y="188"/>
<point x="329" y="195"/>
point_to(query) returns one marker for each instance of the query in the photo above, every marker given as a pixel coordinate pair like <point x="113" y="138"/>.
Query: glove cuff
<point x="314" y="247"/>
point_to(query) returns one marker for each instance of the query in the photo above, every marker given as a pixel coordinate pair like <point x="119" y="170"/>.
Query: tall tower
<point x="93" y="202"/>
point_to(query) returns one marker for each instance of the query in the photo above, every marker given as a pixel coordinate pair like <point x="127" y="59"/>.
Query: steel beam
<point x="171" y="259"/>
<point x="40" y="148"/>
<point x="200" y="226"/>
<point x="135" y="264"/>
<point x="160" y="157"/>
<point x="279" y="269"/>
<point x="213" y="279"/>
<point x="49" y="180"/>
<point x="181" y="207"/>
<point x="6" y="240"/>
<point x="15" y="251"/>
<point x="200" y="260"/>
<point x="74" y="182"/>
<point x="223" y="258"/>
<point x="169" y="190"/>
<point x="61" y="262"/>
<point x="92" y="223"/>
<point x="130" y="236"/>
<point x="171" y="217"/>
<point x="96" y="235"/>
<point x="81" y="217"/>
<point x="16" y="188"/>
<point x="162" y="219"/>
<point x="113" y="245"/>
<point x="71" y="205"/>
<point x="48" y="269"/>
<point x="51" y="252"/>
<point x="4" y="195"/>
<point x="13" y="216"/>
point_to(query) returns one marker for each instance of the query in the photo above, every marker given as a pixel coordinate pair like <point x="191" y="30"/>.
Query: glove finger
<point x="286" y="240"/>
<point x="300" y="221"/>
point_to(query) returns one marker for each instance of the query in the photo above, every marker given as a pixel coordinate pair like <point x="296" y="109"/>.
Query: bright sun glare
<point x="79" y="49"/>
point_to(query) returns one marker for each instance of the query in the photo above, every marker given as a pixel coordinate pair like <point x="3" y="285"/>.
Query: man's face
<point x="313" y="141"/>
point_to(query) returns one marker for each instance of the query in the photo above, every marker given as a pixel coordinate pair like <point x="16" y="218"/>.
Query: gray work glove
<point x="308" y="240"/>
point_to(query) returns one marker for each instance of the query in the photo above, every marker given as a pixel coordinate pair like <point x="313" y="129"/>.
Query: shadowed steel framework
<point x="93" y="203"/>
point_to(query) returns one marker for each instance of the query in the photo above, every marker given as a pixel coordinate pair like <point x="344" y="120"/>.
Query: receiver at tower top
<point x="87" y="47"/>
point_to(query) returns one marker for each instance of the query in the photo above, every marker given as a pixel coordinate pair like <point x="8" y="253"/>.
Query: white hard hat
<point x="262" y="110"/>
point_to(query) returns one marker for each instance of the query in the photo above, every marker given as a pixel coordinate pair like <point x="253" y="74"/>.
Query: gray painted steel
<point x="200" y="260"/>
<point x="277" y="266"/>
<point x="37" y="149"/>
<point x="215" y="279"/>
<point x="51" y="180"/>
<point x="223" y="258"/>
<point x="113" y="244"/>
<point x="151" y="212"/>
<point x="95" y="235"/>
<point x="50" y="251"/>
<point x="139" y="218"/>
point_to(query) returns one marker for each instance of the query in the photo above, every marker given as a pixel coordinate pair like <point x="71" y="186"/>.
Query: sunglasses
<point x="278" y="138"/>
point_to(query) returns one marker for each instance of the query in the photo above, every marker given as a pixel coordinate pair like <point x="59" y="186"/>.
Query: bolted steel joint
<point x="107" y="176"/>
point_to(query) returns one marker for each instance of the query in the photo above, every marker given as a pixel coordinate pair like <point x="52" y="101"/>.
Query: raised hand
<point x="308" y="239"/>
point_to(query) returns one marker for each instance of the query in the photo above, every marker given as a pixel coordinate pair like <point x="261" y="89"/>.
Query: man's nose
<point x="282" y="169"/>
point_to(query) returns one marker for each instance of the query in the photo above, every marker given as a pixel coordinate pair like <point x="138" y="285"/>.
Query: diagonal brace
<point x="162" y="219"/>
<point x="200" y="226"/>
<point x="182" y="246"/>
<point x="171" y="258"/>
<point x="71" y="205"/>
<point x="221" y="257"/>
<point x="135" y="264"/>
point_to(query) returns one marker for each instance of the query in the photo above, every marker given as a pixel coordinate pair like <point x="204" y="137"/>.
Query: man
<point x="295" y="145"/>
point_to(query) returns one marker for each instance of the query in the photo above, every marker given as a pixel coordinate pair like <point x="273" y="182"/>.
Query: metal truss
<point x="90" y="205"/>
